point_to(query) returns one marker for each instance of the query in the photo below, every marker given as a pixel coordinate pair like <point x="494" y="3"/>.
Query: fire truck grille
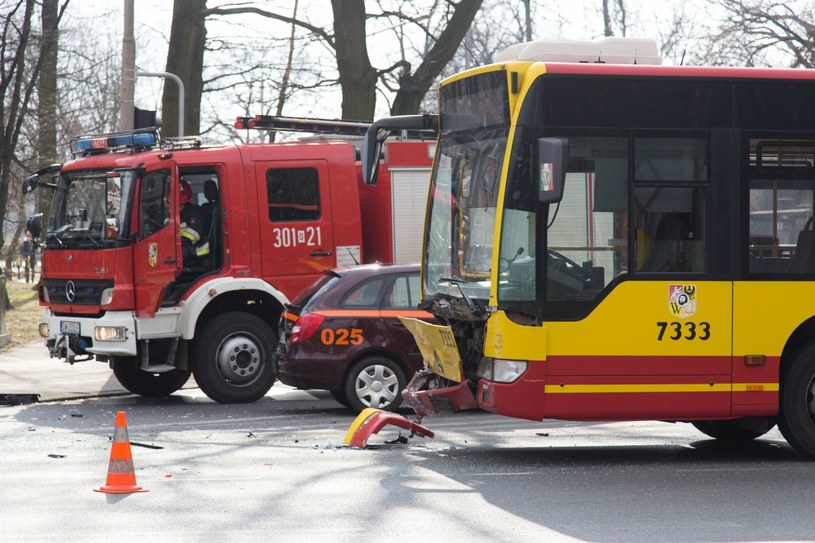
<point x="76" y="292"/>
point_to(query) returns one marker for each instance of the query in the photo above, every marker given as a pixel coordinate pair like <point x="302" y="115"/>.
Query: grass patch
<point x="23" y="320"/>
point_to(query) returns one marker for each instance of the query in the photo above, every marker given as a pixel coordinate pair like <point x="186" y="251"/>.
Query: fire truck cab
<point x="171" y="259"/>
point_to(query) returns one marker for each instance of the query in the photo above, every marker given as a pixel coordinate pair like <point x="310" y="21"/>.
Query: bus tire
<point x="232" y="358"/>
<point x="151" y="385"/>
<point x="796" y="410"/>
<point x="735" y="430"/>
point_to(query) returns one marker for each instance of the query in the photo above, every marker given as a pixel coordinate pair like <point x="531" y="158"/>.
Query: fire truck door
<point x="297" y="231"/>
<point x="155" y="254"/>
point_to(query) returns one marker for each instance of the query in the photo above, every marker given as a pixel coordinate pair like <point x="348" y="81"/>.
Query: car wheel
<point x="796" y="418"/>
<point x="375" y="382"/>
<point x="151" y="385"/>
<point x="737" y="429"/>
<point x="232" y="358"/>
<point x="340" y="396"/>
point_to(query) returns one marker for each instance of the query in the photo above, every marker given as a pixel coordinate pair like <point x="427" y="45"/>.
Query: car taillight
<point x="305" y="327"/>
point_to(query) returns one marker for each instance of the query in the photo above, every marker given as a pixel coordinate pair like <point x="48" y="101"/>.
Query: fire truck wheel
<point x="745" y="429"/>
<point x="376" y="382"/>
<point x="797" y="402"/>
<point x="143" y="383"/>
<point x="232" y="358"/>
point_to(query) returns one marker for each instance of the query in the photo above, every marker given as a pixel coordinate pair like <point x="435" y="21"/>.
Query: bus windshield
<point x="473" y="128"/>
<point x="89" y="209"/>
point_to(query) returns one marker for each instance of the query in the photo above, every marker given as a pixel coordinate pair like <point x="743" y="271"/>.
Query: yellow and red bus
<point x="622" y="241"/>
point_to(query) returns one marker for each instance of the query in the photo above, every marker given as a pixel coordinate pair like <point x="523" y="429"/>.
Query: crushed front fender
<point x="427" y="396"/>
<point x="370" y="421"/>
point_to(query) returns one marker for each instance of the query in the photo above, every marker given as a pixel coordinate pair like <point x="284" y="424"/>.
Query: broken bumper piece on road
<point x="370" y="421"/>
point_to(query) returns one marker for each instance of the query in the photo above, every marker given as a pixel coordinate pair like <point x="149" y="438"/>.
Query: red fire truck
<point x="122" y="284"/>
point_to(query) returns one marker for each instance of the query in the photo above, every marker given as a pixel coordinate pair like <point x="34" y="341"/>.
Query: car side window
<point x="405" y="293"/>
<point x="366" y="294"/>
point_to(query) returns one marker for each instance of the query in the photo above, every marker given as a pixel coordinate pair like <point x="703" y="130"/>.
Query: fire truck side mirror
<point x="31" y="182"/>
<point x="553" y="156"/>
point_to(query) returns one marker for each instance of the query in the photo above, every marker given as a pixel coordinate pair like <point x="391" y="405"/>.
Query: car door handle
<point x="170" y="260"/>
<point x="320" y="253"/>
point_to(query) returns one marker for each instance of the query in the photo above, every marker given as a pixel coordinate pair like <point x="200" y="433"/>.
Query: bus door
<point x="636" y="327"/>
<point x="156" y="259"/>
<point x="297" y="234"/>
<point x="780" y="251"/>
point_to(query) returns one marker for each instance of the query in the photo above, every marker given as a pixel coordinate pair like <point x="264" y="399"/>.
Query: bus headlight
<point x="44" y="329"/>
<point x="110" y="333"/>
<point x="501" y="370"/>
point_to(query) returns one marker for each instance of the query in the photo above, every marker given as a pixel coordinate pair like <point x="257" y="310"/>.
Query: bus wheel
<point x="232" y="358"/>
<point x="152" y="385"/>
<point x="745" y="429"/>
<point x="797" y="403"/>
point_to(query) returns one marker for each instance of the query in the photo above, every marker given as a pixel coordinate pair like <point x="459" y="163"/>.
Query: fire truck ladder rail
<point x="293" y="124"/>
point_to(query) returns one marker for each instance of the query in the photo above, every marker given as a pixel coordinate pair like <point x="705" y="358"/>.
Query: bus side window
<point x="670" y="230"/>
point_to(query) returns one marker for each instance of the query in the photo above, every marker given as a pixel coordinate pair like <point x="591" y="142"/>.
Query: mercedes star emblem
<point x="70" y="291"/>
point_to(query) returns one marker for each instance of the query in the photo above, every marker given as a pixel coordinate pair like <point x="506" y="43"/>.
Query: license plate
<point x="70" y="328"/>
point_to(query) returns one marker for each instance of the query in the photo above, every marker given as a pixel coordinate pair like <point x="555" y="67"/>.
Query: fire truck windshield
<point x="474" y="123"/>
<point x="90" y="209"/>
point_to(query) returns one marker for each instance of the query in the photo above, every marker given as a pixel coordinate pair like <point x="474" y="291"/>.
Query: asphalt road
<point x="278" y="470"/>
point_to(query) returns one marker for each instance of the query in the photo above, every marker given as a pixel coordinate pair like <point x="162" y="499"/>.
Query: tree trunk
<point x="14" y="96"/>
<point x="413" y="87"/>
<point x="357" y="76"/>
<point x="185" y="58"/>
<point x="47" y="92"/>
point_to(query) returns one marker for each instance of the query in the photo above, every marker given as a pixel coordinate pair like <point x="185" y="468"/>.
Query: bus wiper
<point x="457" y="281"/>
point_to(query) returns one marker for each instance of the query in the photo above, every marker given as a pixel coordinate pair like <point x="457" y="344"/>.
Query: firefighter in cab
<point x="194" y="242"/>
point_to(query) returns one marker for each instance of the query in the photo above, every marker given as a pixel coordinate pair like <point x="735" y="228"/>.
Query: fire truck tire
<point x="796" y="411"/>
<point x="736" y="429"/>
<point x="151" y="385"/>
<point x="376" y="382"/>
<point x="232" y="358"/>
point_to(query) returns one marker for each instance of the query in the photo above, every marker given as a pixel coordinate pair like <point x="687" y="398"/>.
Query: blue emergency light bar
<point x="138" y="140"/>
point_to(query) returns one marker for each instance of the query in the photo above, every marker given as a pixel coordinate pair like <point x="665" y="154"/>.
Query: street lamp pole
<point x="180" y="84"/>
<point x="128" y="70"/>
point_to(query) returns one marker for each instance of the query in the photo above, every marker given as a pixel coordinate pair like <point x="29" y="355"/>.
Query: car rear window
<point x="366" y="294"/>
<point x="314" y="290"/>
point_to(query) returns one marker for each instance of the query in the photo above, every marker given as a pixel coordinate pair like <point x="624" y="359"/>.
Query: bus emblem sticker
<point x="547" y="177"/>
<point x="682" y="300"/>
<point x="153" y="255"/>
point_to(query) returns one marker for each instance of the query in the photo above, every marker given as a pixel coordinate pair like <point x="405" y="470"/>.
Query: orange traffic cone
<point x="121" y="477"/>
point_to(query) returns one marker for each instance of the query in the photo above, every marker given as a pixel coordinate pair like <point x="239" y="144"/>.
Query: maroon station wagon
<point x="342" y="334"/>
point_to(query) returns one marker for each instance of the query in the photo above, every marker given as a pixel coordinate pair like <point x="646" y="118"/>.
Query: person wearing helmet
<point x="194" y="242"/>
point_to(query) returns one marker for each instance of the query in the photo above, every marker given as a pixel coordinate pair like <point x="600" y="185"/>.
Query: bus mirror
<point x="378" y="132"/>
<point x="371" y="151"/>
<point x="553" y="155"/>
